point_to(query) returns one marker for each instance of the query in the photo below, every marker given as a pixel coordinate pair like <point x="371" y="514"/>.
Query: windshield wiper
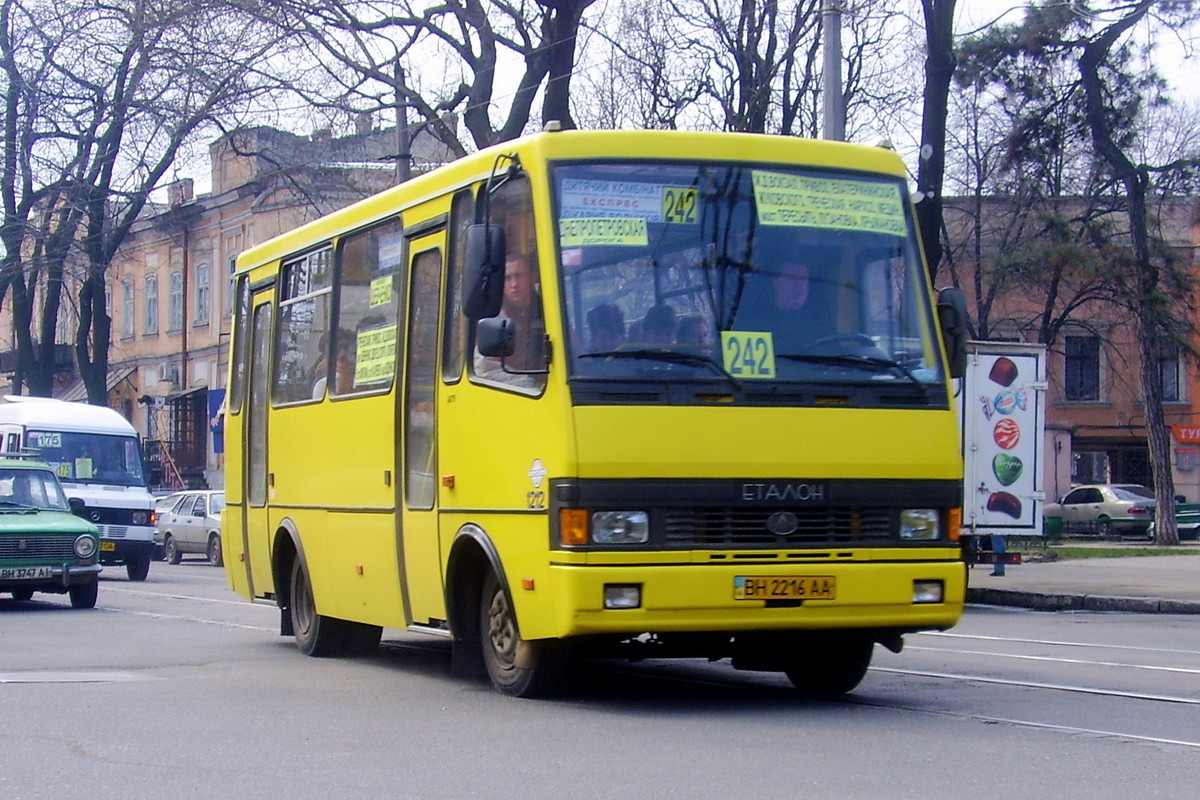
<point x="671" y="357"/>
<point x="872" y="363"/>
<point x="15" y="504"/>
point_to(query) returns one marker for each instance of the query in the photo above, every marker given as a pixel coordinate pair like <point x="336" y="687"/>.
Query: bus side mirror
<point x="77" y="506"/>
<point x="952" y="317"/>
<point x="483" y="271"/>
<point x="495" y="337"/>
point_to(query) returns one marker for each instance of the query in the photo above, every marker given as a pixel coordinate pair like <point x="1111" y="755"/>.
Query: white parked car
<point x="191" y="524"/>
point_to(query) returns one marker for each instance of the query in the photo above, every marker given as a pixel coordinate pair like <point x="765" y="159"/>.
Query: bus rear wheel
<point x="516" y="667"/>
<point x="321" y="636"/>
<point x="830" y="665"/>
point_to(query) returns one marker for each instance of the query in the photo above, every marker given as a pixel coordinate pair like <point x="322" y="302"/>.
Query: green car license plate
<point x="24" y="573"/>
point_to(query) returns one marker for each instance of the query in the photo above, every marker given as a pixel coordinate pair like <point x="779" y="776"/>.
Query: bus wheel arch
<point x="483" y="622"/>
<point x="472" y="558"/>
<point x="284" y="552"/>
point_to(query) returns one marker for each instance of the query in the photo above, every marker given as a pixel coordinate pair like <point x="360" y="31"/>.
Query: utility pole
<point x="403" y="145"/>
<point x="834" y="125"/>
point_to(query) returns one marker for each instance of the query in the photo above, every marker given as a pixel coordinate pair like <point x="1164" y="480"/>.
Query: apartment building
<point x="1095" y="414"/>
<point x="169" y="287"/>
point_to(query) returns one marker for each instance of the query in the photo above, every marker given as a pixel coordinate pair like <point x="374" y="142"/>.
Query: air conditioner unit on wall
<point x="168" y="372"/>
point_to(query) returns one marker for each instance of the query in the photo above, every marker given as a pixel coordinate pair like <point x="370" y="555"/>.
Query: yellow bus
<point x="635" y="393"/>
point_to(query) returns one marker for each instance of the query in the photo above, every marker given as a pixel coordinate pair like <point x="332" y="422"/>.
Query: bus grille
<point x="738" y="527"/>
<point x="39" y="547"/>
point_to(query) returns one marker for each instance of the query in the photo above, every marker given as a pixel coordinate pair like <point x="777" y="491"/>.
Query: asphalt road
<point x="176" y="688"/>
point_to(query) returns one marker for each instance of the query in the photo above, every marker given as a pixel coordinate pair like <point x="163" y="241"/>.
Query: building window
<point x="126" y="308"/>
<point x="175" y="307"/>
<point x="202" y="294"/>
<point x="1169" y="377"/>
<point x="1081" y="374"/>
<point x="151" y="327"/>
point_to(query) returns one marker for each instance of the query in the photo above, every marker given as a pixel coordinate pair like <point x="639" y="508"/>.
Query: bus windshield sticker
<point x="374" y="356"/>
<point x="583" y="197"/>
<point x="679" y="204"/>
<point x="749" y="354"/>
<point x="587" y="231"/>
<point x="381" y="291"/>
<point x="840" y="204"/>
<point x="83" y="468"/>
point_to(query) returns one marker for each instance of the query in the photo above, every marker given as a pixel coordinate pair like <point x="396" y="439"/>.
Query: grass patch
<point x="1066" y="551"/>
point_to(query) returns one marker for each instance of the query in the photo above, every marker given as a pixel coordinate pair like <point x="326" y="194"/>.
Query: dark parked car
<point x="43" y="546"/>
<point x="1106" y="509"/>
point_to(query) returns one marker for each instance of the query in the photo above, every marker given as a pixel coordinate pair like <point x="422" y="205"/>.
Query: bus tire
<point x="21" y="595"/>
<point x="138" y="568"/>
<point x="316" y="635"/>
<point x="83" y="595"/>
<point x="830" y="665"/>
<point x="541" y="668"/>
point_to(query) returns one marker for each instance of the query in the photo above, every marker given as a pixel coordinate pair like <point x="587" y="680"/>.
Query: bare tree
<point x="484" y="64"/>
<point x="99" y="99"/>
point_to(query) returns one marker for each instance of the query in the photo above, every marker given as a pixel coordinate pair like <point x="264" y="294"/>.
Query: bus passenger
<point x="658" y="326"/>
<point x="606" y="324"/>
<point x="522" y="306"/>
<point x="693" y="330"/>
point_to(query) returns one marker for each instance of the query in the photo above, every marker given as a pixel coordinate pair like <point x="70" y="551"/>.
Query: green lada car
<point x="43" y="546"/>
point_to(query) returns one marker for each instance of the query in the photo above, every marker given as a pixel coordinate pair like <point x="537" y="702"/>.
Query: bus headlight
<point x="139" y="518"/>
<point x="920" y="524"/>
<point x="620" y="527"/>
<point x="85" y="546"/>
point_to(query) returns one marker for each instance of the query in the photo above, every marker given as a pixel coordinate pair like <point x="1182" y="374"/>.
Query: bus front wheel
<point x="516" y="667"/>
<point x="830" y="665"/>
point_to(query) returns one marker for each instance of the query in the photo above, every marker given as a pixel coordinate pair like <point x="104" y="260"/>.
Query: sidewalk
<point x="1146" y="584"/>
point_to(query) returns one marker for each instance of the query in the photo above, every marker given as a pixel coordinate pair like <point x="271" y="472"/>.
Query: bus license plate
<point x="790" y="587"/>
<point x="25" y="573"/>
<point x="108" y="547"/>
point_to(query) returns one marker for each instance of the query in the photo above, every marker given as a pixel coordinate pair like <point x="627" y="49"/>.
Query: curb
<point x="1042" y="601"/>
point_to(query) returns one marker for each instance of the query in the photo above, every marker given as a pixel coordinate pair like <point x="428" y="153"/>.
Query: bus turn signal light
<point x="953" y="524"/>
<point x="573" y="526"/>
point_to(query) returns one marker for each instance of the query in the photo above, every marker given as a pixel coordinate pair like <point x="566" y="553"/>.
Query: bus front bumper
<point x="697" y="598"/>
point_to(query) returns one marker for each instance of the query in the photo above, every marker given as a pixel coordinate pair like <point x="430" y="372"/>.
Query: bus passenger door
<point x="255" y="524"/>
<point x="419" y="526"/>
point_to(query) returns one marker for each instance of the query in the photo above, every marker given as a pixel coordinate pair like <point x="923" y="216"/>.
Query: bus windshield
<point x="90" y="457"/>
<point x="750" y="275"/>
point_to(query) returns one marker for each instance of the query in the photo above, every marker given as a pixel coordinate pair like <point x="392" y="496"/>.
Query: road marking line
<point x="1062" y="687"/>
<point x="1150" y="667"/>
<point x="1056" y="642"/>
<point x="220" y="622"/>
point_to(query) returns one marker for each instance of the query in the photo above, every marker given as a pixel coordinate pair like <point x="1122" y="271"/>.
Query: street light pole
<point x="834" y="126"/>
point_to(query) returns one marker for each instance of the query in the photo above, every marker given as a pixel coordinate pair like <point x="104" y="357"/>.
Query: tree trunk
<point x="939" y="70"/>
<point x="1148" y="307"/>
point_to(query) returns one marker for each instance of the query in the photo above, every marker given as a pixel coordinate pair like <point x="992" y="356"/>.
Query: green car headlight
<point x="85" y="546"/>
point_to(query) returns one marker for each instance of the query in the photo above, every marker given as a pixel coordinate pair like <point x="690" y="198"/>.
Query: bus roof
<point x="59" y="415"/>
<point x="701" y="146"/>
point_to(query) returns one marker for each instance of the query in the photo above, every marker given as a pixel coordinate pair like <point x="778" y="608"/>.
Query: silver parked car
<point x="1106" y="509"/>
<point x="190" y="522"/>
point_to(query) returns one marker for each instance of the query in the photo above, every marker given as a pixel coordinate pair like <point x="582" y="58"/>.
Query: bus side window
<point x="12" y="443"/>
<point x="512" y="207"/>
<point x="304" y="307"/>
<point x="370" y="284"/>
<point x="462" y="214"/>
